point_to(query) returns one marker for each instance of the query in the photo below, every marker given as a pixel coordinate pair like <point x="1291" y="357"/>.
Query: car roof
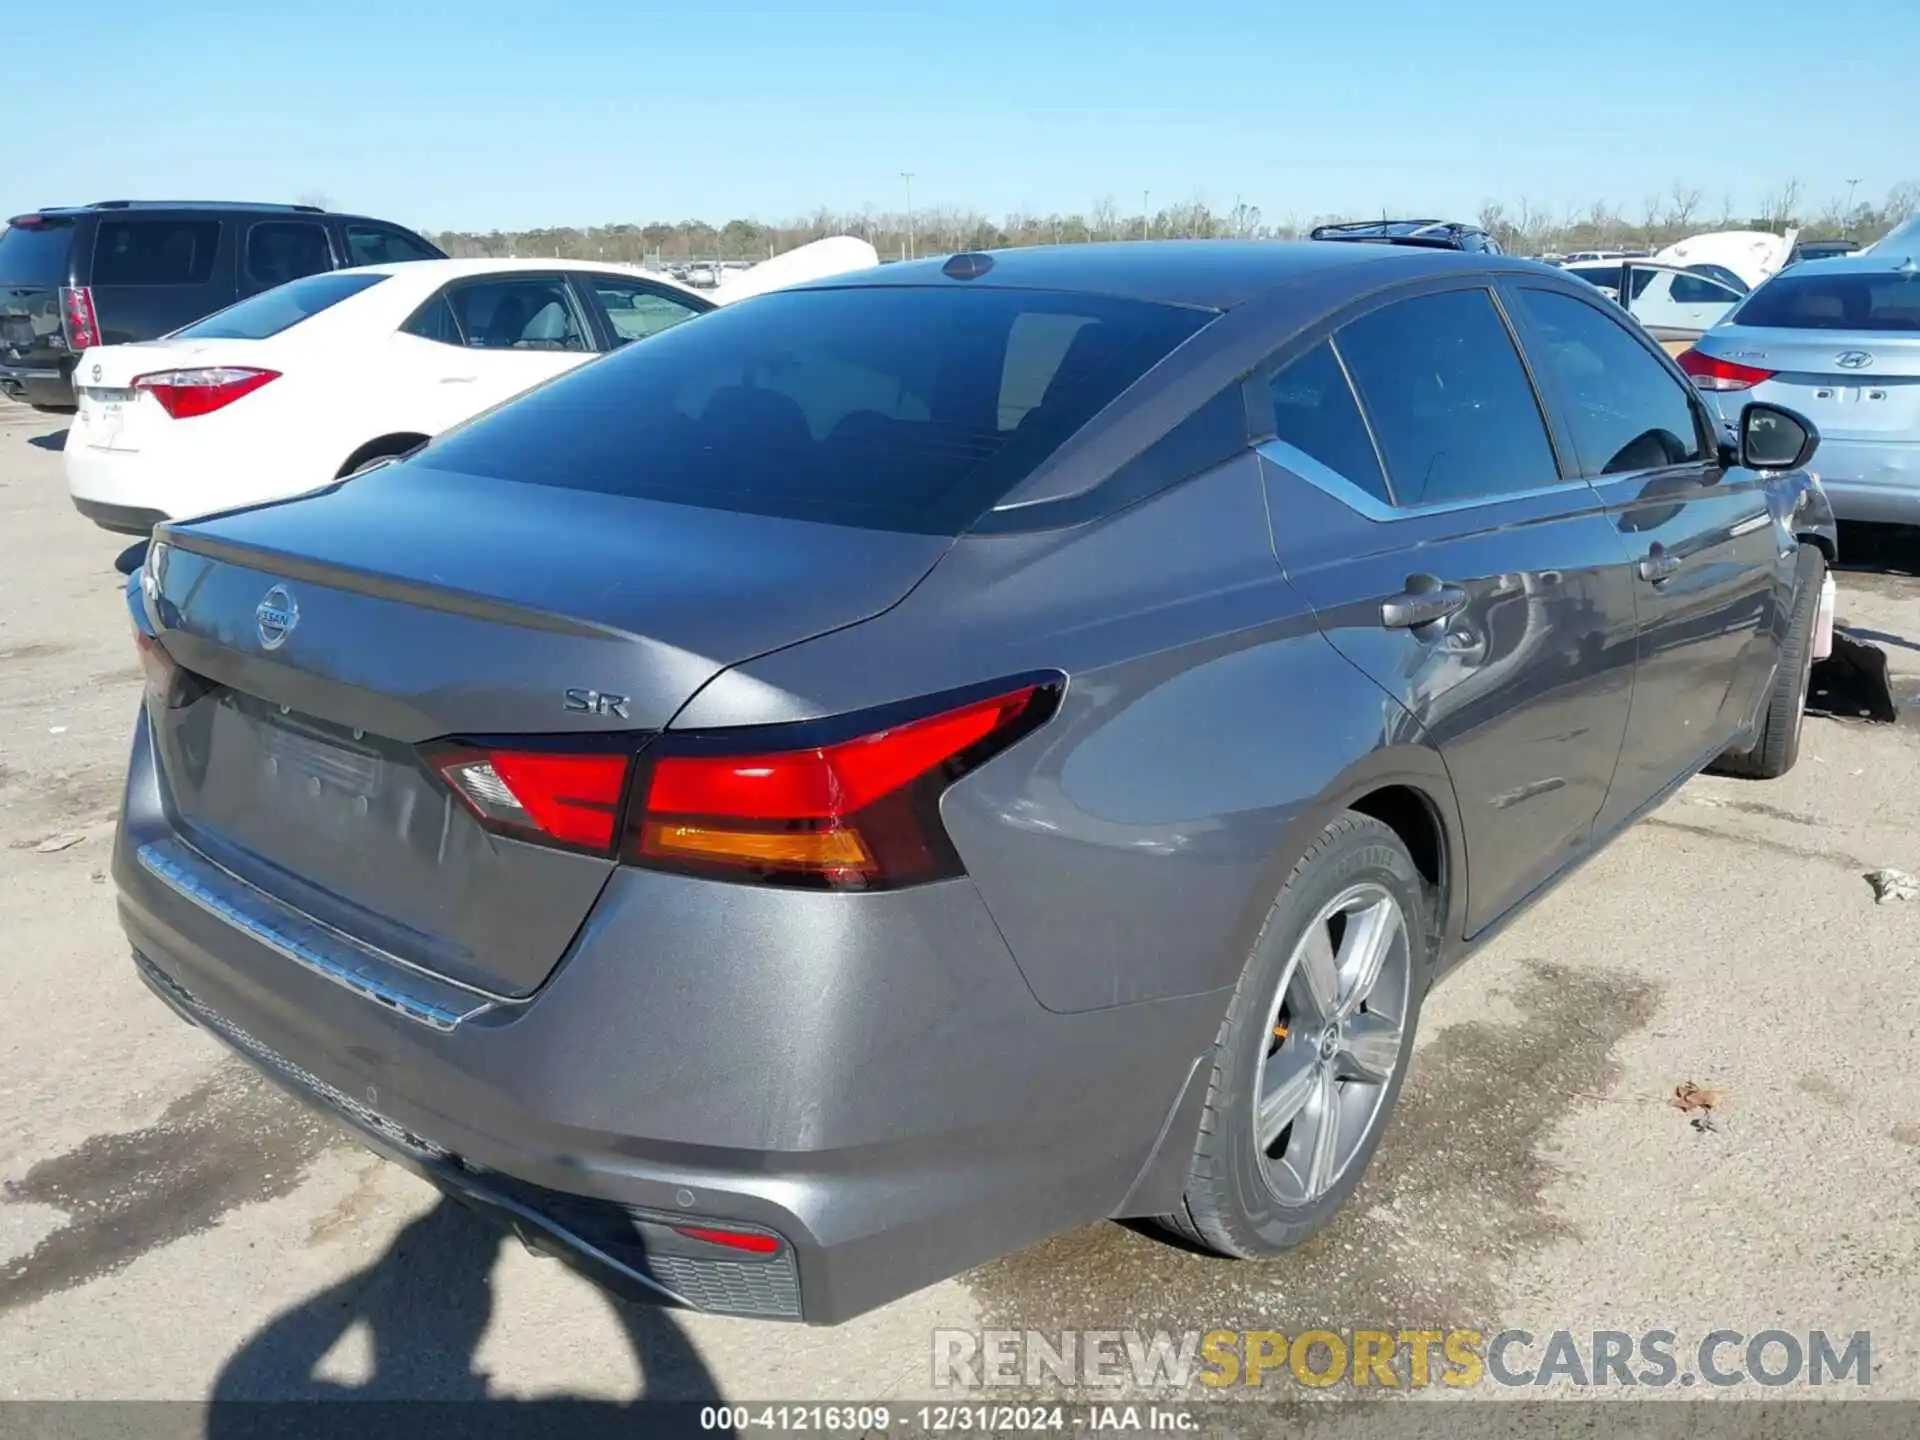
<point x="113" y="205"/>
<point x="1874" y="262"/>
<point x="1204" y="274"/>
<point x="500" y="265"/>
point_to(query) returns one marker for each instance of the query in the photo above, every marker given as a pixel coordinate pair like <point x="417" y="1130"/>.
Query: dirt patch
<point x="1758" y="842"/>
<point x="232" y="1141"/>
<point x="1455" y="1195"/>
<point x="1828" y="1091"/>
<point x="34" y="650"/>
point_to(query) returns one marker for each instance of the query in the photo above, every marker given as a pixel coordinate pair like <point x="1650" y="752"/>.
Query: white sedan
<point x="304" y="384"/>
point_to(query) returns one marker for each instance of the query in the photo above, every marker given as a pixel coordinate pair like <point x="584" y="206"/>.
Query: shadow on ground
<point x="426" y="1304"/>
<point x="53" y="440"/>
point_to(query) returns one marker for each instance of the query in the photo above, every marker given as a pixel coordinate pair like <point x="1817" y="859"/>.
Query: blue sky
<point x="486" y="113"/>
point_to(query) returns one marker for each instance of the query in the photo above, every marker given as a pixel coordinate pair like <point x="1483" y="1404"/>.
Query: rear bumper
<point x="866" y="1077"/>
<point x="1871" y="480"/>
<point x="49" y="385"/>
<point x="121" y="519"/>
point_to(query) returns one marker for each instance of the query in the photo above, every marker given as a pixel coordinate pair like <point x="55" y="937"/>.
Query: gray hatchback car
<point x="909" y="765"/>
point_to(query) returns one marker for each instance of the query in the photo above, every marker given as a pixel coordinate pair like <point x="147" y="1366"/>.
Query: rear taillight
<point x="1710" y="372"/>
<point x="561" y="798"/>
<point x="852" y="811"/>
<point x="78" y="322"/>
<point x="186" y="393"/>
<point x="851" y="803"/>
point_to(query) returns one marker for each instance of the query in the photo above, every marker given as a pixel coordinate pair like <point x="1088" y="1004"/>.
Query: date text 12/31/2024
<point x="984" y="1419"/>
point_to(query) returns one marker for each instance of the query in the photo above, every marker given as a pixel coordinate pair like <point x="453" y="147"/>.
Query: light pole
<point x="907" y="176"/>
<point x="1852" y="185"/>
<point x="1144" y="212"/>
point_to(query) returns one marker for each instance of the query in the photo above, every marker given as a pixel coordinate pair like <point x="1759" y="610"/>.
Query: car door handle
<point x="1659" y="565"/>
<point x="1425" y="605"/>
<point x="458" y="379"/>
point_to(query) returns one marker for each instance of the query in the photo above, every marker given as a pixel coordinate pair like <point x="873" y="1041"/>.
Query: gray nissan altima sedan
<point x="904" y="766"/>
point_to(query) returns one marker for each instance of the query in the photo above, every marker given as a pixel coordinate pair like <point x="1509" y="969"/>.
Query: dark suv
<point x="123" y="270"/>
<point x="1433" y="234"/>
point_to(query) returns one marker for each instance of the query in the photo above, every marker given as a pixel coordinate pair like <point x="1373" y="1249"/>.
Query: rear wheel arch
<point x="401" y="442"/>
<point x="1407" y="788"/>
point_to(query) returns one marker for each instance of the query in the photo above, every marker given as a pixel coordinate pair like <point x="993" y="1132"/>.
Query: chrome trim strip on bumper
<point x="369" y="973"/>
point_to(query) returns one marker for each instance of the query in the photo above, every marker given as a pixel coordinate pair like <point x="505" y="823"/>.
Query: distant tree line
<point x="1523" y="227"/>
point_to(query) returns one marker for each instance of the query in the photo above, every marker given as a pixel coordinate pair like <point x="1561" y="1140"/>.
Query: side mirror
<point x="1774" y="438"/>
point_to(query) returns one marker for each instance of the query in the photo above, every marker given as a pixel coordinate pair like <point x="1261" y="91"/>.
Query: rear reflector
<point x="157" y="664"/>
<point x="1710" y="372"/>
<point x="78" y="322"/>
<point x="860" y="812"/>
<point x="184" y="394"/>
<point x="571" y="800"/>
<point x="751" y="1241"/>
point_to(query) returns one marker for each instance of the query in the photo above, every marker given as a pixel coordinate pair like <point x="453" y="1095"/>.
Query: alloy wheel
<point x="1335" y="1033"/>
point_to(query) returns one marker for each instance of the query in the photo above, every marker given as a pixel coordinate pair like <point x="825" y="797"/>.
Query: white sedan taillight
<point x="186" y="393"/>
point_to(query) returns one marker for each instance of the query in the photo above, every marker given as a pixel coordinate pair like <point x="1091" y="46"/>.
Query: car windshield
<point x="280" y="308"/>
<point x="891" y="407"/>
<point x="35" y="255"/>
<point x="1799" y="300"/>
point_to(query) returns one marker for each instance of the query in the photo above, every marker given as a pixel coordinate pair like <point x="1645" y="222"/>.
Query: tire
<point x="395" y="447"/>
<point x="1776" y="744"/>
<point x="1253" y="1196"/>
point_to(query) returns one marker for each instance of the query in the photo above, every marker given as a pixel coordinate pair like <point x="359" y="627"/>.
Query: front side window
<point x="1451" y="405"/>
<point x="282" y="250"/>
<point x="379" y="245"/>
<point x="637" y="310"/>
<point x="1314" y="411"/>
<point x="518" y="312"/>
<point x="154" y="252"/>
<point x="278" y="309"/>
<point x="1624" y="408"/>
<point x="1691" y="289"/>
<point x="890" y="407"/>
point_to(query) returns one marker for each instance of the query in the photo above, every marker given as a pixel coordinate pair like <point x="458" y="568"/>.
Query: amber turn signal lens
<point x="837" y="849"/>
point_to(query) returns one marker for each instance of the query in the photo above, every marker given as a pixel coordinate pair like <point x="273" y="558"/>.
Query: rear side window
<point x="892" y="407"/>
<point x="282" y="250"/>
<point x="1626" y="410"/>
<point x="434" y="321"/>
<point x="35" y="255"/>
<point x="278" y="309"/>
<point x="1847" y="301"/>
<point x="378" y="245"/>
<point x="1314" y="410"/>
<point x="1452" y="407"/>
<point x="154" y="252"/>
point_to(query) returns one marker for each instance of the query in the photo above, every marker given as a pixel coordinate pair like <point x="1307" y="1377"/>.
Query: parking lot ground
<point x="172" y="1227"/>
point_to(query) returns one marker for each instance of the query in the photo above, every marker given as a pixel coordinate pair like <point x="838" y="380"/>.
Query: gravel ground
<point x="172" y="1228"/>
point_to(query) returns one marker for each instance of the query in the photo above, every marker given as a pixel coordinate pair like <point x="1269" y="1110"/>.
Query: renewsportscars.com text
<point x="967" y="1360"/>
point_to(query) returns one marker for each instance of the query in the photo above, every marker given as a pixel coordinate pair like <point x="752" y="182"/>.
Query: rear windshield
<point x="280" y="308"/>
<point x="887" y="408"/>
<point x="35" y="255"/>
<point x="1847" y="301"/>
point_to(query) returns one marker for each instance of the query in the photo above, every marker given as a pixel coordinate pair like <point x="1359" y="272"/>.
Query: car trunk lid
<point x="114" y="414"/>
<point x="1852" y="385"/>
<point x="334" y="638"/>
